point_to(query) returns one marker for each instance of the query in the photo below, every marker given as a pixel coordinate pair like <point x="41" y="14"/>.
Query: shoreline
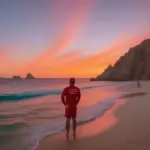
<point x="107" y="121"/>
<point x="84" y="125"/>
<point x="82" y="128"/>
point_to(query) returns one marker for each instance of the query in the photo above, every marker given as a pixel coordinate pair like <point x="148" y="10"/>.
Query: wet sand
<point x="126" y="126"/>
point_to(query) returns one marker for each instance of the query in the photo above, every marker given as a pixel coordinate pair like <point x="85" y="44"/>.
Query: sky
<point x="68" y="38"/>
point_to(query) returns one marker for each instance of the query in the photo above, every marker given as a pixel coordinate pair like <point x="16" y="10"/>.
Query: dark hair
<point x="72" y="81"/>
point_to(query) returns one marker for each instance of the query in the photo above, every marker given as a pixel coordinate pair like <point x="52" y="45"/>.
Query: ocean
<point x="32" y="109"/>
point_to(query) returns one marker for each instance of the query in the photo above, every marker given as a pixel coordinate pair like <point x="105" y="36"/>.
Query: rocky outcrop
<point x="29" y="76"/>
<point x="92" y="79"/>
<point x="134" y="65"/>
<point x="107" y="73"/>
<point x="16" y="77"/>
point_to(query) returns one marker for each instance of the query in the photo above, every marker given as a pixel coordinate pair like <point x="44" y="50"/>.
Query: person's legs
<point x="68" y="116"/>
<point x="74" y="122"/>
<point x="67" y="127"/>
<point x="71" y="113"/>
<point x="74" y="126"/>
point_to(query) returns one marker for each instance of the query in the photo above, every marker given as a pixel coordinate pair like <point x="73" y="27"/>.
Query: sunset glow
<point x="63" y="39"/>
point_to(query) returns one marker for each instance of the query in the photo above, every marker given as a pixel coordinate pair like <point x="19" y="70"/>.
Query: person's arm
<point x="63" y="95"/>
<point x="78" y="96"/>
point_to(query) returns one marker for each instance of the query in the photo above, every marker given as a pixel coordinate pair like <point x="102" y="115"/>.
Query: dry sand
<point x="124" y="127"/>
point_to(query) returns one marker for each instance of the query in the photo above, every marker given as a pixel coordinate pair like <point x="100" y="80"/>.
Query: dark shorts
<point x="71" y="113"/>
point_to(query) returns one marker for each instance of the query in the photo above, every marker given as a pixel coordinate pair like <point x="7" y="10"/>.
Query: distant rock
<point x="92" y="79"/>
<point x="29" y="76"/>
<point x="134" y="65"/>
<point x="17" y="77"/>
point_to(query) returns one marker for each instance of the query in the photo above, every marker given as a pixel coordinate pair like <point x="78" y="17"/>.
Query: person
<point x="138" y="84"/>
<point x="70" y="98"/>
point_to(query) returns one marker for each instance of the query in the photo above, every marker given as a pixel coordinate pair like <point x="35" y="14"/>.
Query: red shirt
<point x="71" y="96"/>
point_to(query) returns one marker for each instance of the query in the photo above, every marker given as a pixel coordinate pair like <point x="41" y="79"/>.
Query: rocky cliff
<point x="134" y="65"/>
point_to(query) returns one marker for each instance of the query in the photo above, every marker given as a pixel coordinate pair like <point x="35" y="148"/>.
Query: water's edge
<point x="82" y="123"/>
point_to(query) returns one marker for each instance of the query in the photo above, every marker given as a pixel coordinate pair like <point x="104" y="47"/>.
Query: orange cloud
<point x="9" y="65"/>
<point x="4" y="61"/>
<point x="68" y="35"/>
<point x="94" y="65"/>
<point x="52" y="63"/>
<point x="1" y="53"/>
<point x="73" y="63"/>
<point x="64" y="40"/>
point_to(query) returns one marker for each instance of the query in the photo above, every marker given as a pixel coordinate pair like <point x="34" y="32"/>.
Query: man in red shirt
<point x="70" y="98"/>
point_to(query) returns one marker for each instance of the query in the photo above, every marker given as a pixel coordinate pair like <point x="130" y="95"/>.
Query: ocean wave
<point x="12" y="127"/>
<point x="86" y="115"/>
<point x="26" y="95"/>
<point x="3" y="116"/>
<point x="92" y="112"/>
<point x="35" y="94"/>
<point x="35" y="133"/>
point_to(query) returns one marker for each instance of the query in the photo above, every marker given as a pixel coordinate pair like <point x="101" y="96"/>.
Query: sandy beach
<point x="126" y="126"/>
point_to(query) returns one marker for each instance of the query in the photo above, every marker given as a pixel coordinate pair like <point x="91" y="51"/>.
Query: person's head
<point x="72" y="81"/>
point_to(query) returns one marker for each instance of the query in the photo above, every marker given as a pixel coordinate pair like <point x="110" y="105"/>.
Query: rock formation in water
<point x="29" y="76"/>
<point x="16" y="77"/>
<point x="134" y="65"/>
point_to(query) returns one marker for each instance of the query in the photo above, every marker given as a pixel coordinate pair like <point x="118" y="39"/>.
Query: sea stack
<point x="134" y="65"/>
<point x="29" y="76"/>
<point x="16" y="77"/>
